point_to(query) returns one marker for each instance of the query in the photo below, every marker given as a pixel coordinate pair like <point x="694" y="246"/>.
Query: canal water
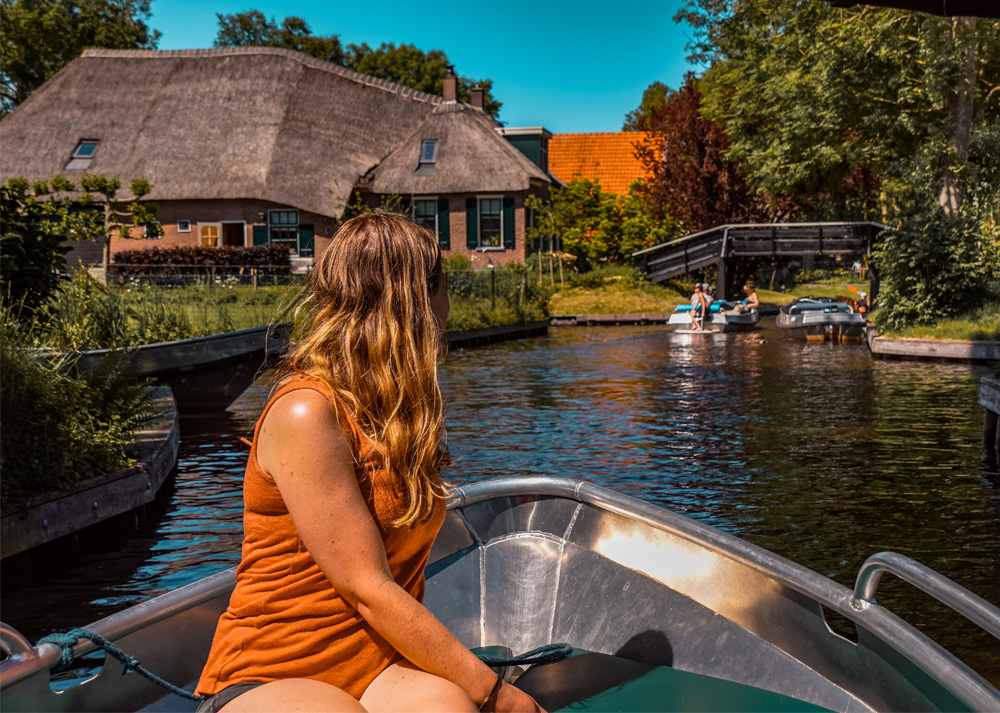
<point x="814" y="451"/>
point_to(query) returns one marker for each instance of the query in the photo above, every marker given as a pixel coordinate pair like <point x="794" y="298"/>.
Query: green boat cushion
<point x="587" y="681"/>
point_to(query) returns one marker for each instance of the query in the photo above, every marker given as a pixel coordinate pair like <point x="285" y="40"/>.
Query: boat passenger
<point x="343" y="499"/>
<point x="752" y="301"/>
<point x="699" y="307"/>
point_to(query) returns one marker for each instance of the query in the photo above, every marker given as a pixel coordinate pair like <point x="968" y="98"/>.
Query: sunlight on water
<point x="815" y="452"/>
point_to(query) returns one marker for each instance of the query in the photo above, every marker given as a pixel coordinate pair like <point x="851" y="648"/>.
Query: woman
<point x="343" y="498"/>
<point x="752" y="301"/>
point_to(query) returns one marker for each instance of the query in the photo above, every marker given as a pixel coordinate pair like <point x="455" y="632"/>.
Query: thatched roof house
<point x="256" y="145"/>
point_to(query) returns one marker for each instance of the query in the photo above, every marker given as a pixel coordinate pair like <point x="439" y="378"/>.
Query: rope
<point x="130" y="663"/>
<point x="543" y="654"/>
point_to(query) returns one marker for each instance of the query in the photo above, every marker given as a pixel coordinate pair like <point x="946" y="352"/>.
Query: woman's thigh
<point x="298" y="695"/>
<point x="406" y="688"/>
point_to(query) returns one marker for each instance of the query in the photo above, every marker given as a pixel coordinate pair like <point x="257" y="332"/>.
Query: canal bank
<point x="960" y="350"/>
<point x="50" y="516"/>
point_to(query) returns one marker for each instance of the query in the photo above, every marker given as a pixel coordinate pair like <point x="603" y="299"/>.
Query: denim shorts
<point x="217" y="701"/>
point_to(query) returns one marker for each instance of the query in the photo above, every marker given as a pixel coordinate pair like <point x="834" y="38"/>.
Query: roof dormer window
<point x="83" y="154"/>
<point x="428" y="151"/>
<point x="85" y="149"/>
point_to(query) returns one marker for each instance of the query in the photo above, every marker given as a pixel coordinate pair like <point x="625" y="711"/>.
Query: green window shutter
<point x="508" y="223"/>
<point x="306" y="234"/>
<point x="444" y="230"/>
<point x="471" y="223"/>
<point x="260" y="235"/>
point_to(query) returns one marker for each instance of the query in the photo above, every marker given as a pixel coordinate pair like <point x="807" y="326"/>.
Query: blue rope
<point x="130" y="663"/>
<point x="543" y="654"/>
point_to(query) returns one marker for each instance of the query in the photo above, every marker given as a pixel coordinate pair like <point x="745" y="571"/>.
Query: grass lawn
<point x="981" y="325"/>
<point x="615" y="297"/>
<point x="807" y="290"/>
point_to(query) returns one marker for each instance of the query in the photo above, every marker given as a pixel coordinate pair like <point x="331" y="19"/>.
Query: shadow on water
<point x="813" y="451"/>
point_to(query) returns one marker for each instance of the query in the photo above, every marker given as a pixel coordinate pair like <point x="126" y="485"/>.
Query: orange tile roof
<point x="608" y="157"/>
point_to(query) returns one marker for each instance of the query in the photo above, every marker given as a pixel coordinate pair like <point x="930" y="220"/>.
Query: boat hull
<point x="722" y="318"/>
<point x="530" y="561"/>
<point x="822" y="320"/>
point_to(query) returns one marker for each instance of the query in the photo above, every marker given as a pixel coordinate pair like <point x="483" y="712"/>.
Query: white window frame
<point x="423" y="148"/>
<point x="79" y="145"/>
<point x="222" y="235"/>
<point x="218" y="239"/>
<point x="413" y="210"/>
<point x="479" y="228"/>
<point x="181" y="229"/>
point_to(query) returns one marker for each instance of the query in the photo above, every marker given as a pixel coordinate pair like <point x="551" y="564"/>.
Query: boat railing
<point x="971" y="606"/>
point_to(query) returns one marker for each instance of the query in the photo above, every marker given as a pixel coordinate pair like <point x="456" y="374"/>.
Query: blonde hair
<point x="371" y="335"/>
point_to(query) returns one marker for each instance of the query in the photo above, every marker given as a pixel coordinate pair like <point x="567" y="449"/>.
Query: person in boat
<point x="862" y="303"/>
<point x="699" y="307"/>
<point x="752" y="301"/>
<point x="343" y="498"/>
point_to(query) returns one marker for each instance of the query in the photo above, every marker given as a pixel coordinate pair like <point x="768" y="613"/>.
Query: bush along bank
<point x="60" y="428"/>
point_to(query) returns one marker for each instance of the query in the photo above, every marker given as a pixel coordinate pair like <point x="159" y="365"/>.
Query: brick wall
<point x="246" y="213"/>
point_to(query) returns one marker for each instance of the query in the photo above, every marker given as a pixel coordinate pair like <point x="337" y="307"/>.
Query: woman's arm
<point x="304" y="448"/>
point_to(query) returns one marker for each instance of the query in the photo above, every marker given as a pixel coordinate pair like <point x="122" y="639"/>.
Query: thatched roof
<point x="247" y="123"/>
<point x="471" y="158"/>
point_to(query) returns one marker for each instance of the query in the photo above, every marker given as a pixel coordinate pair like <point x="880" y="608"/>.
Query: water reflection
<point x="813" y="451"/>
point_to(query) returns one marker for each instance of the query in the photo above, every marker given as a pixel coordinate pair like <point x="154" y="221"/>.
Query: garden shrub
<point x="60" y="427"/>
<point x="225" y="260"/>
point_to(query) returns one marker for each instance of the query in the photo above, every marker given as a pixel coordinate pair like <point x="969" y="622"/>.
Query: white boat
<point x="664" y="614"/>
<point x="821" y="319"/>
<point x="723" y="316"/>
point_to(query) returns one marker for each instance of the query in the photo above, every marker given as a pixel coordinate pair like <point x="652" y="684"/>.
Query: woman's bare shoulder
<point x="299" y="422"/>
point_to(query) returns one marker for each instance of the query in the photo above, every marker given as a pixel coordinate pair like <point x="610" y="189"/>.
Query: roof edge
<point x="366" y="79"/>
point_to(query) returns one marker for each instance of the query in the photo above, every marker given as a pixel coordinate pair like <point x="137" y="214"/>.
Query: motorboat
<point x="663" y="613"/>
<point x="723" y="316"/>
<point x="822" y="319"/>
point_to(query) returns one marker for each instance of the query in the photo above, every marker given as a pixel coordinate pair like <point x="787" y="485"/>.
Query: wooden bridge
<point x="717" y="245"/>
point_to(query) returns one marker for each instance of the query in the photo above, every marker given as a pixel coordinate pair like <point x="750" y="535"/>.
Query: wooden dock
<point x="931" y="349"/>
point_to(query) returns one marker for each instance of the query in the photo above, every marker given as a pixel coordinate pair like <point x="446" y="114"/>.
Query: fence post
<point x="523" y="297"/>
<point x="253" y="274"/>
<point x="493" y="287"/>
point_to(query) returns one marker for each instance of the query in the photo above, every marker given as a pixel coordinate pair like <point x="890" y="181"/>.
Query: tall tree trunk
<point x="961" y="108"/>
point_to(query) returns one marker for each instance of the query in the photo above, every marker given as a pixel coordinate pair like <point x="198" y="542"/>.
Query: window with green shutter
<point x="306" y="240"/>
<point x="508" y="223"/>
<point x="260" y="235"/>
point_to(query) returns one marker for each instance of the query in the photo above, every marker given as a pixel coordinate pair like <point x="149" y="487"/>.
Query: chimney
<point x="477" y="96"/>
<point x="450" y="85"/>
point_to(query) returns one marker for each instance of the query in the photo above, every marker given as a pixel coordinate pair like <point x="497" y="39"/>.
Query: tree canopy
<point x="866" y="113"/>
<point x="654" y="96"/>
<point x="404" y="64"/>
<point x="41" y="36"/>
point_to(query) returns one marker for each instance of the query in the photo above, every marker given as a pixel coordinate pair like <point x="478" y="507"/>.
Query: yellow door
<point x="209" y="233"/>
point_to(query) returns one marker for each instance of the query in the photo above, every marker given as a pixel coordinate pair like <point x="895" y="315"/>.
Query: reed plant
<point x="60" y="426"/>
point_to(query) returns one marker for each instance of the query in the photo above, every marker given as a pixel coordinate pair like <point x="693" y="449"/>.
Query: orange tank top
<point x="285" y="619"/>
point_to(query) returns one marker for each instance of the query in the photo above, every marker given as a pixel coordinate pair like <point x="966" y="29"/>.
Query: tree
<point x="653" y="98"/>
<point x="692" y="180"/>
<point x="403" y="64"/>
<point x="32" y="235"/>
<point x="905" y="135"/>
<point x="253" y="29"/>
<point x="416" y="69"/>
<point x="105" y="214"/>
<point x="41" y="36"/>
<point x="594" y="224"/>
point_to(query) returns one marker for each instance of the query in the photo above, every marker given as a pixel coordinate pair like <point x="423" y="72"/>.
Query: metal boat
<point x="723" y="316"/>
<point x="664" y="613"/>
<point x="822" y="319"/>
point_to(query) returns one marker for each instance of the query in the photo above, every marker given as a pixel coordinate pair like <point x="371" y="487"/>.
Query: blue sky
<point x="568" y="66"/>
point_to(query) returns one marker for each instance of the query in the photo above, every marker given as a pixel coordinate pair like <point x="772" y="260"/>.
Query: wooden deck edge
<point x="989" y="393"/>
<point x="52" y="515"/>
<point x="489" y="335"/>
<point x="932" y="349"/>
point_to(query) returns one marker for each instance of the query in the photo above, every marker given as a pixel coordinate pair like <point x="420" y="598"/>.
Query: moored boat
<point x="723" y="316"/>
<point x="664" y="613"/>
<point x="822" y="319"/>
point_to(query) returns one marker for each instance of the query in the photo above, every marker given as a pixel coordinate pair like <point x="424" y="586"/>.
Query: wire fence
<point x="204" y="275"/>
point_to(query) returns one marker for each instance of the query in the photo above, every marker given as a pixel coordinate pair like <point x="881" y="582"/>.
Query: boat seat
<point x="587" y="681"/>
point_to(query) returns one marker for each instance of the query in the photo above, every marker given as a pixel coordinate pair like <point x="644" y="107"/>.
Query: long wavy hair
<point x="370" y="334"/>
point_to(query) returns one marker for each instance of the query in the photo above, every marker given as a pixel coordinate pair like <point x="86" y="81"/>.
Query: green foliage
<point x="253" y="29"/>
<point x="41" y="36"/>
<point x="654" y="96"/>
<point x="180" y="260"/>
<point x="490" y="298"/>
<point x="84" y="314"/>
<point x="598" y="225"/>
<point x="32" y="232"/>
<point x="403" y="64"/>
<point x="982" y="324"/>
<point x="60" y="427"/>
